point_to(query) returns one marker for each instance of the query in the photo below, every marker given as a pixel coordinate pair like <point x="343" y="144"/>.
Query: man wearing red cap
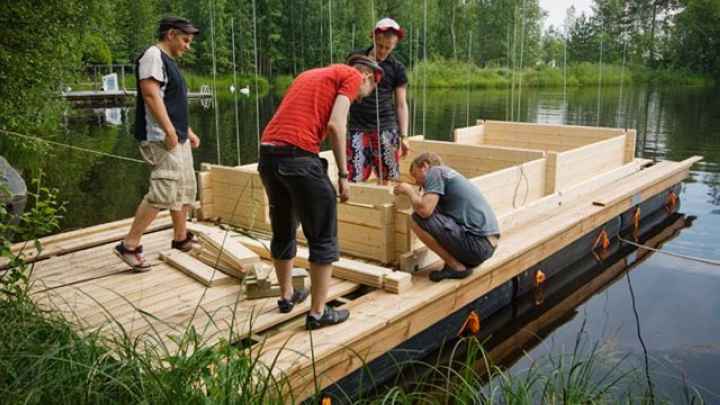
<point x="296" y="181"/>
<point x="379" y="123"/>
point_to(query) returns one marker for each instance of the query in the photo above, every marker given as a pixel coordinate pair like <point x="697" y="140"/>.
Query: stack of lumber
<point x="345" y="269"/>
<point x="196" y="269"/>
<point x="218" y="250"/>
<point x="397" y="282"/>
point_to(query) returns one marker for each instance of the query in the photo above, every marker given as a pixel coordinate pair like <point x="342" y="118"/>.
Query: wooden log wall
<point x="235" y="196"/>
<point x="514" y="164"/>
<point x="571" y="167"/>
<point x="470" y="160"/>
<point x="558" y="138"/>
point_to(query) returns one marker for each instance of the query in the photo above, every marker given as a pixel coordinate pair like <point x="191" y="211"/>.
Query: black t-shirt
<point x="362" y="113"/>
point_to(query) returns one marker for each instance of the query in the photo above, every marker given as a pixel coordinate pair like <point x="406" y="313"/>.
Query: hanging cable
<point x="415" y="67"/>
<point x="622" y="80"/>
<point x="214" y="79"/>
<point x="508" y="66"/>
<point x="411" y="67"/>
<point x="651" y="389"/>
<point x="600" y="77"/>
<point x="467" y="99"/>
<point x="378" y="132"/>
<point x="330" y="17"/>
<point x="514" y="61"/>
<point x="523" y="26"/>
<point x="425" y="68"/>
<point x="257" y="89"/>
<point x="565" y="65"/>
<point x="235" y="96"/>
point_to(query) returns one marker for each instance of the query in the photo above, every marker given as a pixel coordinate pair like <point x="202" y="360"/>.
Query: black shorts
<point x="298" y="188"/>
<point x="468" y="248"/>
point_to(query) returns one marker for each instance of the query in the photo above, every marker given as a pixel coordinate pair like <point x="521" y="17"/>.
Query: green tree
<point x="39" y="51"/>
<point x="695" y="39"/>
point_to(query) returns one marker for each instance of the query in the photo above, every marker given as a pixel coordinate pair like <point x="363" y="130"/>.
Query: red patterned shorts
<point x="363" y="154"/>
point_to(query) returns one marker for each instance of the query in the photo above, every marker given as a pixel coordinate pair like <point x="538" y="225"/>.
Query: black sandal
<point x="185" y="245"/>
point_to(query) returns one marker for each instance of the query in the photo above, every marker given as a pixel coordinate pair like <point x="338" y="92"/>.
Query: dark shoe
<point x="329" y="317"/>
<point x="298" y="296"/>
<point x="133" y="257"/>
<point x="447" y="272"/>
<point x="185" y="245"/>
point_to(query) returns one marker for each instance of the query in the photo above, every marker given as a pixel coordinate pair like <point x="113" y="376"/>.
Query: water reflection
<point x="677" y="300"/>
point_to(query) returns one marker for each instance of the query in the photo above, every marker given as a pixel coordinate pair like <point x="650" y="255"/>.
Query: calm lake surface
<point x="678" y="301"/>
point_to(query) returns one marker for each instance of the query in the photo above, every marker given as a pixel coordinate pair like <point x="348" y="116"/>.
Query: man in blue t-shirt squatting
<point x="451" y="217"/>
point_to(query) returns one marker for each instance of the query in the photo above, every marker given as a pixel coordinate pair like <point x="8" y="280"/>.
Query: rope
<point x="425" y="69"/>
<point x="517" y="186"/>
<point x="36" y="139"/>
<point x="257" y="91"/>
<point x="565" y="65"/>
<point x="651" y="388"/>
<point x="679" y="256"/>
<point x="599" y="97"/>
<point x="235" y="91"/>
<point x="214" y="74"/>
<point x="514" y="60"/>
<point x="377" y="109"/>
<point x="622" y="81"/>
<point x="330" y="30"/>
<point x="522" y="55"/>
<point x="467" y="100"/>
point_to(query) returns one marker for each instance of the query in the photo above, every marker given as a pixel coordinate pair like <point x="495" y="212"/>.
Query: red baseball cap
<point x="388" y="24"/>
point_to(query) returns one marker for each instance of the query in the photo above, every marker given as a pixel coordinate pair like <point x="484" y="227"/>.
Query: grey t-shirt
<point x="462" y="201"/>
<point x="150" y="65"/>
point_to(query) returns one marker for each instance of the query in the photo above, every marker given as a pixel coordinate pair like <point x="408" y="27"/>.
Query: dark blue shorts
<point x="468" y="248"/>
<point x="299" y="190"/>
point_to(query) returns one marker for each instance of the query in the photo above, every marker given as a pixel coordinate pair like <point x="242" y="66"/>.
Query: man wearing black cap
<point x="379" y="123"/>
<point x="161" y="126"/>
<point x="296" y="181"/>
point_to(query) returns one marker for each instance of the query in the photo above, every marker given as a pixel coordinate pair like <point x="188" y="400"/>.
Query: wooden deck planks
<point x="84" y="238"/>
<point x="519" y="250"/>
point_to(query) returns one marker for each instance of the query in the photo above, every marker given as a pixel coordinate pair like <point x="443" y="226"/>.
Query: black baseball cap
<point x="360" y="59"/>
<point x="177" y="23"/>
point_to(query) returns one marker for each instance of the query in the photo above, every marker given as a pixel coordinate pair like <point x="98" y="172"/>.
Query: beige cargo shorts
<point x="172" y="180"/>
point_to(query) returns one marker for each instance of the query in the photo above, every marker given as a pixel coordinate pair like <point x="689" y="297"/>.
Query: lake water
<point x="678" y="300"/>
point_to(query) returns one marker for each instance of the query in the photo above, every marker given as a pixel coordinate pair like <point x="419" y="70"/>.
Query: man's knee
<point x="323" y="251"/>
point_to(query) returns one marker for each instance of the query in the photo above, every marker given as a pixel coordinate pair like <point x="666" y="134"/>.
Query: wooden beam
<point x="196" y="269"/>
<point x="427" y="303"/>
<point x="72" y="241"/>
<point x="222" y="242"/>
<point x="346" y="269"/>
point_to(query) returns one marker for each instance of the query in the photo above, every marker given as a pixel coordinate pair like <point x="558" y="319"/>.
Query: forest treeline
<point x="46" y="42"/>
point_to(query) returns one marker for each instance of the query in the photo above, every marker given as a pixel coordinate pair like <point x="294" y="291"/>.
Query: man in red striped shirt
<point x="296" y="180"/>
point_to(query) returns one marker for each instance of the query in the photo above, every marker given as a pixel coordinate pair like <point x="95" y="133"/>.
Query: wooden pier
<point x="113" y="98"/>
<point x="550" y="185"/>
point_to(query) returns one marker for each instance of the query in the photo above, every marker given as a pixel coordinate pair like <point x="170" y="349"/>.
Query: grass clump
<point x="448" y="74"/>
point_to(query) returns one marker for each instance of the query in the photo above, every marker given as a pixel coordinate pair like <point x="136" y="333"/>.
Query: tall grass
<point x="45" y="360"/>
<point x="455" y="74"/>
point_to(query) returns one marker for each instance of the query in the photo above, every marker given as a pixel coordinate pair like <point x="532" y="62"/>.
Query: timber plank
<point x="196" y="269"/>
<point x="567" y="226"/>
<point x="85" y="238"/>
